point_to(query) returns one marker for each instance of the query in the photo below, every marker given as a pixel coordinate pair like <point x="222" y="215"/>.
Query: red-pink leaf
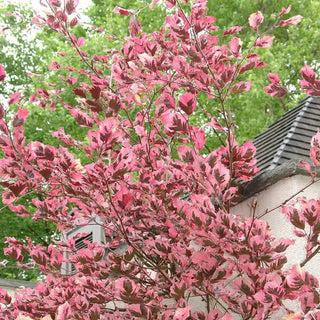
<point x="295" y="277"/>
<point x="19" y="117"/>
<point x="64" y="312"/>
<point x="54" y="66"/>
<point x="152" y="4"/>
<point x="305" y="165"/>
<point x="95" y="92"/>
<point x="198" y="137"/>
<point x="79" y="92"/>
<point x="182" y="313"/>
<point x="241" y="86"/>
<point x="249" y="65"/>
<point x="4" y="297"/>
<point x="264" y="42"/>
<point x="123" y="12"/>
<point x="285" y="11"/>
<point x="82" y="118"/>
<point x="14" y="253"/>
<point x="71" y="6"/>
<point x="186" y="154"/>
<point x="274" y="90"/>
<point x="235" y="46"/>
<point x="134" y="27"/>
<point x="215" y="124"/>
<point x="292" y="21"/>
<point x="274" y="78"/>
<point x="2" y="113"/>
<point x="74" y="22"/>
<point x="170" y="3"/>
<point x="232" y="30"/>
<point x="308" y="74"/>
<point x="14" y="98"/>
<point x="55" y="3"/>
<point x="255" y="20"/>
<point x="81" y="41"/>
<point x="315" y="149"/>
<point x="187" y="102"/>
<point x="2" y="73"/>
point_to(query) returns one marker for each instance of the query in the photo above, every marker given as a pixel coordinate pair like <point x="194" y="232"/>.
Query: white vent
<point x="94" y="233"/>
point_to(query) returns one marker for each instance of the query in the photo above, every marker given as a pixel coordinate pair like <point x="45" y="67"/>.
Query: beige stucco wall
<point x="11" y="290"/>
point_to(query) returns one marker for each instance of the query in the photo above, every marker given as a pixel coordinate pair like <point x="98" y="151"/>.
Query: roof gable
<point x="289" y="137"/>
<point x="283" y="145"/>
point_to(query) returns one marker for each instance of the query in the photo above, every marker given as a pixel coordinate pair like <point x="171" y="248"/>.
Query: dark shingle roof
<point x="289" y="137"/>
<point x="283" y="144"/>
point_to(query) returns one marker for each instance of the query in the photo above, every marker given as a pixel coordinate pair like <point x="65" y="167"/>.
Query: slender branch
<point x="290" y="198"/>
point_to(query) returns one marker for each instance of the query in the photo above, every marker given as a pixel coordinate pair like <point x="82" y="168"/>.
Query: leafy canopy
<point x="141" y="170"/>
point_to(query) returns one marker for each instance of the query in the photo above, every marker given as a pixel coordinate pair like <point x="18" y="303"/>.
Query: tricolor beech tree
<point x="149" y="179"/>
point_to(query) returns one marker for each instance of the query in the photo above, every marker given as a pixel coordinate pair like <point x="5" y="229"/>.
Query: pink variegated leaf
<point x="315" y="149"/>
<point x="71" y="6"/>
<point x="153" y="3"/>
<point x="312" y="89"/>
<point x="14" y="98"/>
<point x="170" y="3"/>
<point x="292" y="21"/>
<point x="2" y="73"/>
<point x="140" y="310"/>
<point x="215" y="124"/>
<point x="180" y="65"/>
<point x="295" y="278"/>
<point x="14" y="253"/>
<point x="39" y="257"/>
<point x="64" y="312"/>
<point x="20" y="117"/>
<point x="241" y="86"/>
<point x="255" y="20"/>
<point x="186" y="153"/>
<point x="235" y="46"/>
<point x="274" y="78"/>
<point x="187" y="102"/>
<point x="134" y="26"/>
<point x="305" y="165"/>
<point x="20" y="210"/>
<point x="54" y="66"/>
<point x="264" y="42"/>
<point x="82" y="118"/>
<point x="122" y="12"/>
<point x="249" y="65"/>
<point x="174" y="122"/>
<point x="74" y="22"/>
<point x="232" y="30"/>
<point x="182" y="313"/>
<point x="285" y="11"/>
<point x="4" y="297"/>
<point x="198" y="137"/>
<point x="274" y="90"/>
<point x="308" y="74"/>
<point x="81" y="41"/>
<point x="55" y="3"/>
<point x="2" y="113"/>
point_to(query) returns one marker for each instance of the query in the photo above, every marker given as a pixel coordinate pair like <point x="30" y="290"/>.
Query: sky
<point x="83" y="4"/>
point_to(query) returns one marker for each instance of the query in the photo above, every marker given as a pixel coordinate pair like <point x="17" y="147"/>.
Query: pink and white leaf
<point x="292" y="21"/>
<point x="255" y="20"/>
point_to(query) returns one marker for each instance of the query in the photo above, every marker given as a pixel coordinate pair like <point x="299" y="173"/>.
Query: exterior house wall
<point x="274" y="196"/>
<point x="11" y="286"/>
